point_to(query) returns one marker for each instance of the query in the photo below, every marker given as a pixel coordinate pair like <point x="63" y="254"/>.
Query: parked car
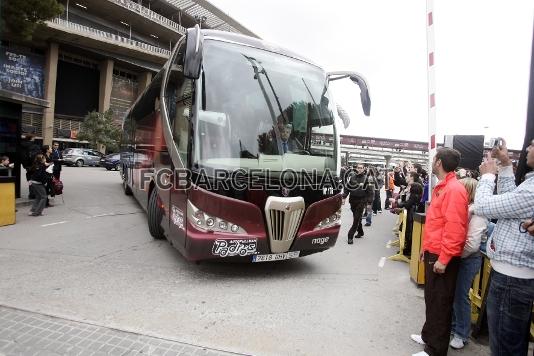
<point x="81" y="157"/>
<point x="111" y="161"/>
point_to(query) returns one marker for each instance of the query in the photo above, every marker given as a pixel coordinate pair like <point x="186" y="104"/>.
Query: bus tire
<point x="155" y="215"/>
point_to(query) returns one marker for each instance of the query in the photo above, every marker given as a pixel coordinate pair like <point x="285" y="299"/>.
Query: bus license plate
<point x="275" y="256"/>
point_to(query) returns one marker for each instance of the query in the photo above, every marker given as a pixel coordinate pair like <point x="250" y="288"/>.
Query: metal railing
<point x="151" y="15"/>
<point x="110" y="36"/>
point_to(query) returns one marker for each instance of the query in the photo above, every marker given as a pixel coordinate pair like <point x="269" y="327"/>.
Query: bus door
<point x="178" y="103"/>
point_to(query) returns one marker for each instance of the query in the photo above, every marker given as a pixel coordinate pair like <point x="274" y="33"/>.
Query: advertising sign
<point x="22" y="73"/>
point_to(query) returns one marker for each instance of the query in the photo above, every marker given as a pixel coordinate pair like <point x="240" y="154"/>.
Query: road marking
<point x="99" y="215"/>
<point x="112" y="214"/>
<point x="56" y="223"/>
<point x="382" y="262"/>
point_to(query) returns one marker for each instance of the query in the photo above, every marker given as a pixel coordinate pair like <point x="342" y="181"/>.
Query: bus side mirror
<point x="193" y="53"/>
<point x="364" y="93"/>
<point x="361" y="82"/>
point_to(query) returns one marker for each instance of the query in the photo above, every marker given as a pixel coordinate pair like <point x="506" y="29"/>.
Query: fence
<point x="110" y="36"/>
<point x="151" y="15"/>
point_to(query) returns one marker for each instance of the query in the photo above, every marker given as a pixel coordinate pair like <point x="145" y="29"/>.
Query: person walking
<point x="27" y="151"/>
<point x="361" y="195"/>
<point x="369" y="209"/>
<point x="469" y="267"/>
<point x="511" y="250"/>
<point x="38" y="179"/>
<point x="377" y="204"/>
<point x="443" y="242"/>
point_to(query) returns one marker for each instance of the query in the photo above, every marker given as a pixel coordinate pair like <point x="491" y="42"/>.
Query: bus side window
<point x="184" y="105"/>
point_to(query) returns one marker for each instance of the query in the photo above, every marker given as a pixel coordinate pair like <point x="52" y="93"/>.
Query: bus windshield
<point x="262" y="110"/>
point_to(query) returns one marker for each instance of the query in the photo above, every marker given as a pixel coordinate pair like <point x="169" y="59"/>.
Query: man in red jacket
<point x="443" y="243"/>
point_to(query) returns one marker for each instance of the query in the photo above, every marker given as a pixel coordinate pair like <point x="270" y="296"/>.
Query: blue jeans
<point x="461" y="316"/>
<point x="369" y="218"/>
<point x="509" y="306"/>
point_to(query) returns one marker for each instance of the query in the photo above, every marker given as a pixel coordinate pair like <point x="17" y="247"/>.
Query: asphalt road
<point x="92" y="260"/>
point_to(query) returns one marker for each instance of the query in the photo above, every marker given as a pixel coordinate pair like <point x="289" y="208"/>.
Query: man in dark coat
<point x="57" y="158"/>
<point x="361" y="194"/>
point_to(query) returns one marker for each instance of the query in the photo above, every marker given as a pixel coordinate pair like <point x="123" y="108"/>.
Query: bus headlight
<point x="330" y="221"/>
<point x="206" y="222"/>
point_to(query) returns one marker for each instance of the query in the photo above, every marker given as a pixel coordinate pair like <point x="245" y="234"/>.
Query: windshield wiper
<point x="267" y="100"/>
<point x="314" y="103"/>
<point x="264" y="72"/>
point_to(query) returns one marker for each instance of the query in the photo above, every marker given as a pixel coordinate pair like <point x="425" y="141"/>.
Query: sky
<point x="482" y="59"/>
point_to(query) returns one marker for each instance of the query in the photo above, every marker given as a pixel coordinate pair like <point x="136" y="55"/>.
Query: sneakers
<point x="350" y="242"/>
<point x="359" y="236"/>
<point x="422" y="353"/>
<point x="457" y="343"/>
<point x="417" y="338"/>
<point x="367" y="224"/>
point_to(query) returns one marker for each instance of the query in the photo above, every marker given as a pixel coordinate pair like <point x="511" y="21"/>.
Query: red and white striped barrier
<point x="431" y="78"/>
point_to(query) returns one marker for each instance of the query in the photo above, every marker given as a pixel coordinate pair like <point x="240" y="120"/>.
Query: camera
<point x="495" y="142"/>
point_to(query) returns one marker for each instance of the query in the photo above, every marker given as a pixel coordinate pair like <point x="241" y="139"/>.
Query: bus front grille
<point x="283" y="220"/>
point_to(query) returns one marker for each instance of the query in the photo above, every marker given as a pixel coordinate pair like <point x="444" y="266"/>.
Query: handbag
<point x="57" y="185"/>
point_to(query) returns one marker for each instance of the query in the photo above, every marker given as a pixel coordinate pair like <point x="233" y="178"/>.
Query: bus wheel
<point x="155" y="215"/>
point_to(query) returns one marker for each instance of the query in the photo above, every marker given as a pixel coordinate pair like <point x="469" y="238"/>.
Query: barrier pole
<point x="431" y="79"/>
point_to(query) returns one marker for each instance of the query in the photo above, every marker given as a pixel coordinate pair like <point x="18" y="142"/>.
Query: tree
<point x="100" y="128"/>
<point x="22" y="17"/>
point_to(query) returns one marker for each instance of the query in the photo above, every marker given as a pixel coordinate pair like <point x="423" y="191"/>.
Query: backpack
<point x="57" y="186"/>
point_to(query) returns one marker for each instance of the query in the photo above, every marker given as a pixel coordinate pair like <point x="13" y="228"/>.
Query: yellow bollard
<point x="402" y="238"/>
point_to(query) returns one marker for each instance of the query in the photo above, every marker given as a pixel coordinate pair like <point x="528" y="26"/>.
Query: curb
<point x="120" y="329"/>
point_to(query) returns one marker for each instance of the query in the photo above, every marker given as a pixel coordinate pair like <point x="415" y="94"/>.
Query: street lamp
<point x="130" y="27"/>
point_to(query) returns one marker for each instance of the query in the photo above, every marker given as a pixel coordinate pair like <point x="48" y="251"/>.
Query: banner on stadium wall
<point x="22" y="73"/>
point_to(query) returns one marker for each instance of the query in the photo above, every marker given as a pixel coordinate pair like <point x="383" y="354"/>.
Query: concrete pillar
<point x="143" y="82"/>
<point x="106" y="84"/>
<point x="50" y="92"/>
<point x="388" y="160"/>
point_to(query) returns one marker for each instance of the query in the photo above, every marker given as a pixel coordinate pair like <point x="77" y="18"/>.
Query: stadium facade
<point x="97" y="55"/>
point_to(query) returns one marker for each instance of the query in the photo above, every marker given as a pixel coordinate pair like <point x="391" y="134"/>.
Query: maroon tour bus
<point x="224" y="150"/>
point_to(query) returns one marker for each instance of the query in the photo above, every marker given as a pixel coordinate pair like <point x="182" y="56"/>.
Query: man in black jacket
<point x="361" y="195"/>
<point x="57" y="158"/>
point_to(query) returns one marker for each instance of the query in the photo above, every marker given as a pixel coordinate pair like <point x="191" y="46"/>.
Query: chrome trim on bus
<point x="283" y="217"/>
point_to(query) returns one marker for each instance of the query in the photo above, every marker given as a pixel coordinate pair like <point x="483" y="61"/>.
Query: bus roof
<point x="253" y="42"/>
